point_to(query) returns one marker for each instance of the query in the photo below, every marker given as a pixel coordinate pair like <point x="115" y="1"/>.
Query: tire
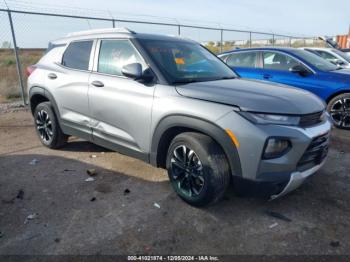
<point x="339" y="109"/>
<point x="205" y="175"/>
<point x="47" y="126"/>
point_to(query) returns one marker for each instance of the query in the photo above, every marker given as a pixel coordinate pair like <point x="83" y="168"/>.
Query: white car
<point x="346" y="51"/>
<point x="331" y="54"/>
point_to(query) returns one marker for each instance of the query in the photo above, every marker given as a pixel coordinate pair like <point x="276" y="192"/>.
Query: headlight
<point x="276" y="147"/>
<point x="325" y="115"/>
<point x="265" y="119"/>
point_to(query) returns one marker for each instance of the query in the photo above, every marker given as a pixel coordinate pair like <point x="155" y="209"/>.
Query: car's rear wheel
<point x="339" y="109"/>
<point x="198" y="169"/>
<point x="47" y="126"/>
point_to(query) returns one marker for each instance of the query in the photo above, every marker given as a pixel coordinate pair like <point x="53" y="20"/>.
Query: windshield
<point x="342" y="55"/>
<point x="315" y="60"/>
<point x="185" y="62"/>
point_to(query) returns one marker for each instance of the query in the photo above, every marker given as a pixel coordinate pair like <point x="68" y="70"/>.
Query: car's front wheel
<point x="47" y="126"/>
<point x="339" y="109"/>
<point x="198" y="169"/>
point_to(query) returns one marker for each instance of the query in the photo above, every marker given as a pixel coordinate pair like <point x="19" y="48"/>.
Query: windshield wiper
<point x="193" y="80"/>
<point x="338" y="68"/>
<point x="186" y="81"/>
<point x="226" y="77"/>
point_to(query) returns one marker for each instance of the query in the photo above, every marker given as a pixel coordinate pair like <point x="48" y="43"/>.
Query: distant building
<point x="343" y="41"/>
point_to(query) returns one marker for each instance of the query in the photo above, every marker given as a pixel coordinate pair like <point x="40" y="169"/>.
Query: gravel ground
<point x="47" y="207"/>
<point x="12" y="107"/>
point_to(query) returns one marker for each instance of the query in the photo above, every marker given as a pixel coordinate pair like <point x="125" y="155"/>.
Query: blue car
<point x="299" y="68"/>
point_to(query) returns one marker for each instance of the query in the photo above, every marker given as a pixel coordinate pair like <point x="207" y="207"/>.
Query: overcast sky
<point x="297" y="17"/>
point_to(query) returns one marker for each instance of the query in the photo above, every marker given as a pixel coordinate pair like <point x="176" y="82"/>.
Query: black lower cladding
<point x="315" y="153"/>
<point x="260" y="188"/>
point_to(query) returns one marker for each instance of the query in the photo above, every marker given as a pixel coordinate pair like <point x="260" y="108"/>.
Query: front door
<point x="120" y="107"/>
<point x="276" y="68"/>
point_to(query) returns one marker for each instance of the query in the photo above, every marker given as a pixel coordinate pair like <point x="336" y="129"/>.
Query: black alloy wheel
<point x="187" y="171"/>
<point x="44" y="125"/>
<point x="339" y="110"/>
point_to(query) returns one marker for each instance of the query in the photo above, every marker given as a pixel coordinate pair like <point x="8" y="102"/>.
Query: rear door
<point x="120" y="107"/>
<point x="245" y="63"/>
<point x="68" y="81"/>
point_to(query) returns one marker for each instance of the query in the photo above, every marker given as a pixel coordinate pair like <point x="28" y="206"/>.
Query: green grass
<point x="13" y="96"/>
<point x="9" y="61"/>
<point x="9" y="86"/>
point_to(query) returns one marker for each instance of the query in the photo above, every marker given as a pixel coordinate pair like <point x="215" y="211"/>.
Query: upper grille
<point x="315" y="153"/>
<point x="310" y="119"/>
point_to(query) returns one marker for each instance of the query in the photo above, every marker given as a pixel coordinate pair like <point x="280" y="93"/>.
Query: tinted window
<point x="184" y="62"/>
<point x="114" y="54"/>
<point x="244" y="59"/>
<point x="326" y="55"/>
<point x="314" y="60"/>
<point x="77" y="55"/>
<point x="342" y="54"/>
<point x="278" y="61"/>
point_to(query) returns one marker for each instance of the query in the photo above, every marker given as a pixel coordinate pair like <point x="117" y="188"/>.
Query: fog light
<point x="276" y="147"/>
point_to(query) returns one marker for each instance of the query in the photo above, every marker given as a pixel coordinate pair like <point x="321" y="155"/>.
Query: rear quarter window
<point x="77" y="55"/>
<point x="244" y="59"/>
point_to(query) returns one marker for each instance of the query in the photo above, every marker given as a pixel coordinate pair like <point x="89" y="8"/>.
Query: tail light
<point x="30" y="69"/>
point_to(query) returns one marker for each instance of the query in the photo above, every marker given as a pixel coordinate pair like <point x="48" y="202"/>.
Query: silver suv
<point x="172" y="103"/>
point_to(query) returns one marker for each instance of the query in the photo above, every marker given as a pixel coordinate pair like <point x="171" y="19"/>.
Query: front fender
<point x="199" y="125"/>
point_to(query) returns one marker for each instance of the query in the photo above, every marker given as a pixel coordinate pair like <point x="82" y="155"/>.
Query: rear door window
<point x="244" y="59"/>
<point x="77" y="55"/>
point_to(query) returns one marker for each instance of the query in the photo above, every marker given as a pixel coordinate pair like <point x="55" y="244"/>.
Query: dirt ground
<point x="115" y="214"/>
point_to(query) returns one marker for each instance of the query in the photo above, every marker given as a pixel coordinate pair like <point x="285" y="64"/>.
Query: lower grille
<point x="315" y="153"/>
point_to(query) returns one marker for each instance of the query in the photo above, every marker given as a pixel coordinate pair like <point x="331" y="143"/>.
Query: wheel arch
<point x="38" y="95"/>
<point x="172" y="125"/>
<point x="339" y="92"/>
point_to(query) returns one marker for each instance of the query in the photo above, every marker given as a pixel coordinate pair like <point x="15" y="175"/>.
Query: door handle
<point x="97" y="83"/>
<point x="52" y="76"/>
<point x="267" y="76"/>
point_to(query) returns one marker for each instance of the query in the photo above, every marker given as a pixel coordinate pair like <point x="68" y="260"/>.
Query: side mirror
<point x="339" y="62"/>
<point x="299" y="69"/>
<point x="133" y="71"/>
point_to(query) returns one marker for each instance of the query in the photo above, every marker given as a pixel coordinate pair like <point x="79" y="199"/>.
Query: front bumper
<point x="274" y="177"/>
<point x="296" y="179"/>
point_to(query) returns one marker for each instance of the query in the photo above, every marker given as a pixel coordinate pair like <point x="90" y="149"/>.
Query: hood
<point x="345" y="72"/>
<point x="256" y="96"/>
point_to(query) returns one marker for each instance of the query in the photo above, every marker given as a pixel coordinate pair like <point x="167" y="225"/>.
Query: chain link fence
<point x="24" y="36"/>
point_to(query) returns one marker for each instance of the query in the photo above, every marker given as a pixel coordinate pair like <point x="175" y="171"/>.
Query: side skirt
<point x="121" y="149"/>
<point x="74" y="131"/>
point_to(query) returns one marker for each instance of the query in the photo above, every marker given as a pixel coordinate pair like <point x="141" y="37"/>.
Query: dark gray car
<point x="170" y="102"/>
